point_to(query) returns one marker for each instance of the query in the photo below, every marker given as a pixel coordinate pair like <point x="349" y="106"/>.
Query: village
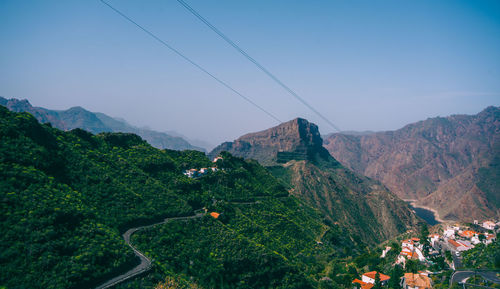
<point x="448" y="241"/>
<point x="196" y="173"/>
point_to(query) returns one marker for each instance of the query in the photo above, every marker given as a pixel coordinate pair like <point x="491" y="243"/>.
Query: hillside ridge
<point x="450" y="164"/>
<point x="95" y="122"/>
<point x="294" y="152"/>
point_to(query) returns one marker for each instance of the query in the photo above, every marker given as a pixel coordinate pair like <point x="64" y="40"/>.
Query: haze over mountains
<point x="450" y="164"/>
<point x="299" y="219"/>
<point x="447" y="164"/>
<point x="95" y="122"/>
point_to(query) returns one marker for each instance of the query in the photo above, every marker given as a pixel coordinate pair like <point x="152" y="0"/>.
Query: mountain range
<point x="294" y="152"/>
<point x="67" y="196"/>
<point x="95" y="122"/>
<point x="448" y="164"/>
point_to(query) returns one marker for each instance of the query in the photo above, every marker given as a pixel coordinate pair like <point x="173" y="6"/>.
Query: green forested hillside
<point x="66" y="197"/>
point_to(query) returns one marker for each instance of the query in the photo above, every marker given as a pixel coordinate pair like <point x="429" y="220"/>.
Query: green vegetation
<point x="483" y="257"/>
<point x="66" y="197"/>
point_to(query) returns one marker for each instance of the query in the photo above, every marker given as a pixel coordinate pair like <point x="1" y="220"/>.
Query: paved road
<point x="457" y="261"/>
<point x="145" y="264"/>
<point x="460" y="276"/>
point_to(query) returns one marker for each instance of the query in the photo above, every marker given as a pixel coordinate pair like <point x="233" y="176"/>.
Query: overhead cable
<point x="260" y="66"/>
<point x="190" y="61"/>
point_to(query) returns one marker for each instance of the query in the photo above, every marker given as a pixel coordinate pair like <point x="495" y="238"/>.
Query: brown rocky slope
<point x="448" y="164"/>
<point x="294" y="152"/>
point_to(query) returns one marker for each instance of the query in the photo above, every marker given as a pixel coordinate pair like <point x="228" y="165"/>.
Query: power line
<point x="240" y="50"/>
<point x="191" y="61"/>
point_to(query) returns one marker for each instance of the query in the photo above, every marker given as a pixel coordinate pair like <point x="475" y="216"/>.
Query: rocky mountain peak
<point x="17" y="105"/>
<point x="295" y="139"/>
<point x="287" y="136"/>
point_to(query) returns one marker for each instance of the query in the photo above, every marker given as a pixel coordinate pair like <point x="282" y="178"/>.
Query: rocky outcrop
<point x="78" y="117"/>
<point x="294" y="153"/>
<point x="297" y="139"/>
<point x="447" y="164"/>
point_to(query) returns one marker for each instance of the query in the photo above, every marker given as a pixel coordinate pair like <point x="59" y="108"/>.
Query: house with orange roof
<point x="407" y="244"/>
<point x="215" y="215"/>
<point x="467" y="234"/>
<point x="460" y="245"/>
<point x="416" y="281"/>
<point x="407" y="252"/>
<point x="191" y="173"/>
<point x="361" y="284"/>
<point x="412" y="243"/>
<point x="370" y="277"/>
<point x="489" y="239"/>
<point x="217" y="158"/>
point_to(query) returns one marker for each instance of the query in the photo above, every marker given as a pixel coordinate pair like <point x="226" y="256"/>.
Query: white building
<point x="384" y="252"/>
<point x="488" y="225"/>
<point x="411" y="243"/>
<point x="449" y="233"/>
<point x="459" y="246"/>
<point x="370" y="278"/>
<point x="434" y="238"/>
<point x="191" y="173"/>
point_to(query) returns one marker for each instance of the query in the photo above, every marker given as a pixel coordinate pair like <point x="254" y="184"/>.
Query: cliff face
<point x="448" y="164"/>
<point x="296" y="139"/>
<point x="78" y="117"/>
<point x="362" y="207"/>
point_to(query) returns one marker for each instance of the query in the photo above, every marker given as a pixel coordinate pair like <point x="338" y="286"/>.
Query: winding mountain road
<point x="461" y="276"/>
<point x="145" y="264"/>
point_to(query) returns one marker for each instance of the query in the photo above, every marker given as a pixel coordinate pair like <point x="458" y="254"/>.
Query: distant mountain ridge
<point x="96" y="122"/>
<point x="294" y="152"/>
<point x="450" y="164"/>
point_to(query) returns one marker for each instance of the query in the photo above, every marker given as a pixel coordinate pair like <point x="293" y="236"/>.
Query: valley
<point x="291" y="222"/>
<point x="448" y="164"/>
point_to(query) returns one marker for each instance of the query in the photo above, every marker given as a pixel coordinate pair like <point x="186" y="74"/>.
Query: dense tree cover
<point x="67" y="196"/>
<point x="263" y="238"/>
<point x="483" y="256"/>
<point x="218" y="257"/>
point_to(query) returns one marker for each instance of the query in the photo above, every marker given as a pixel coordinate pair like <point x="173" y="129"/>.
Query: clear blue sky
<point x="366" y="65"/>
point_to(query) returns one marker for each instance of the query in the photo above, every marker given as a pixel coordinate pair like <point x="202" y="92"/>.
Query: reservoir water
<point x="427" y="215"/>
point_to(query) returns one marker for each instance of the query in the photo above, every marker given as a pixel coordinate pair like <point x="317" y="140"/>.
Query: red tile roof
<point x="454" y="243"/>
<point x="418" y="280"/>
<point x="214" y="214"/>
<point x="372" y="274"/>
<point x="467" y="234"/>
<point x="363" y="284"/>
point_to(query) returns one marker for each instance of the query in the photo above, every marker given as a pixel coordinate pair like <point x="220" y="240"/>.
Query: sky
<point x="364" y="65"/>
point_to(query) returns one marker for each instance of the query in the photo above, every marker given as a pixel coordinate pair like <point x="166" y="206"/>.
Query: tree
<point x="412" y="266"/>
<point x="377" y="284"/>
<point x="424" y="233"/>
<point x="448" y="256"/>
<point x="396" y="274"/>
